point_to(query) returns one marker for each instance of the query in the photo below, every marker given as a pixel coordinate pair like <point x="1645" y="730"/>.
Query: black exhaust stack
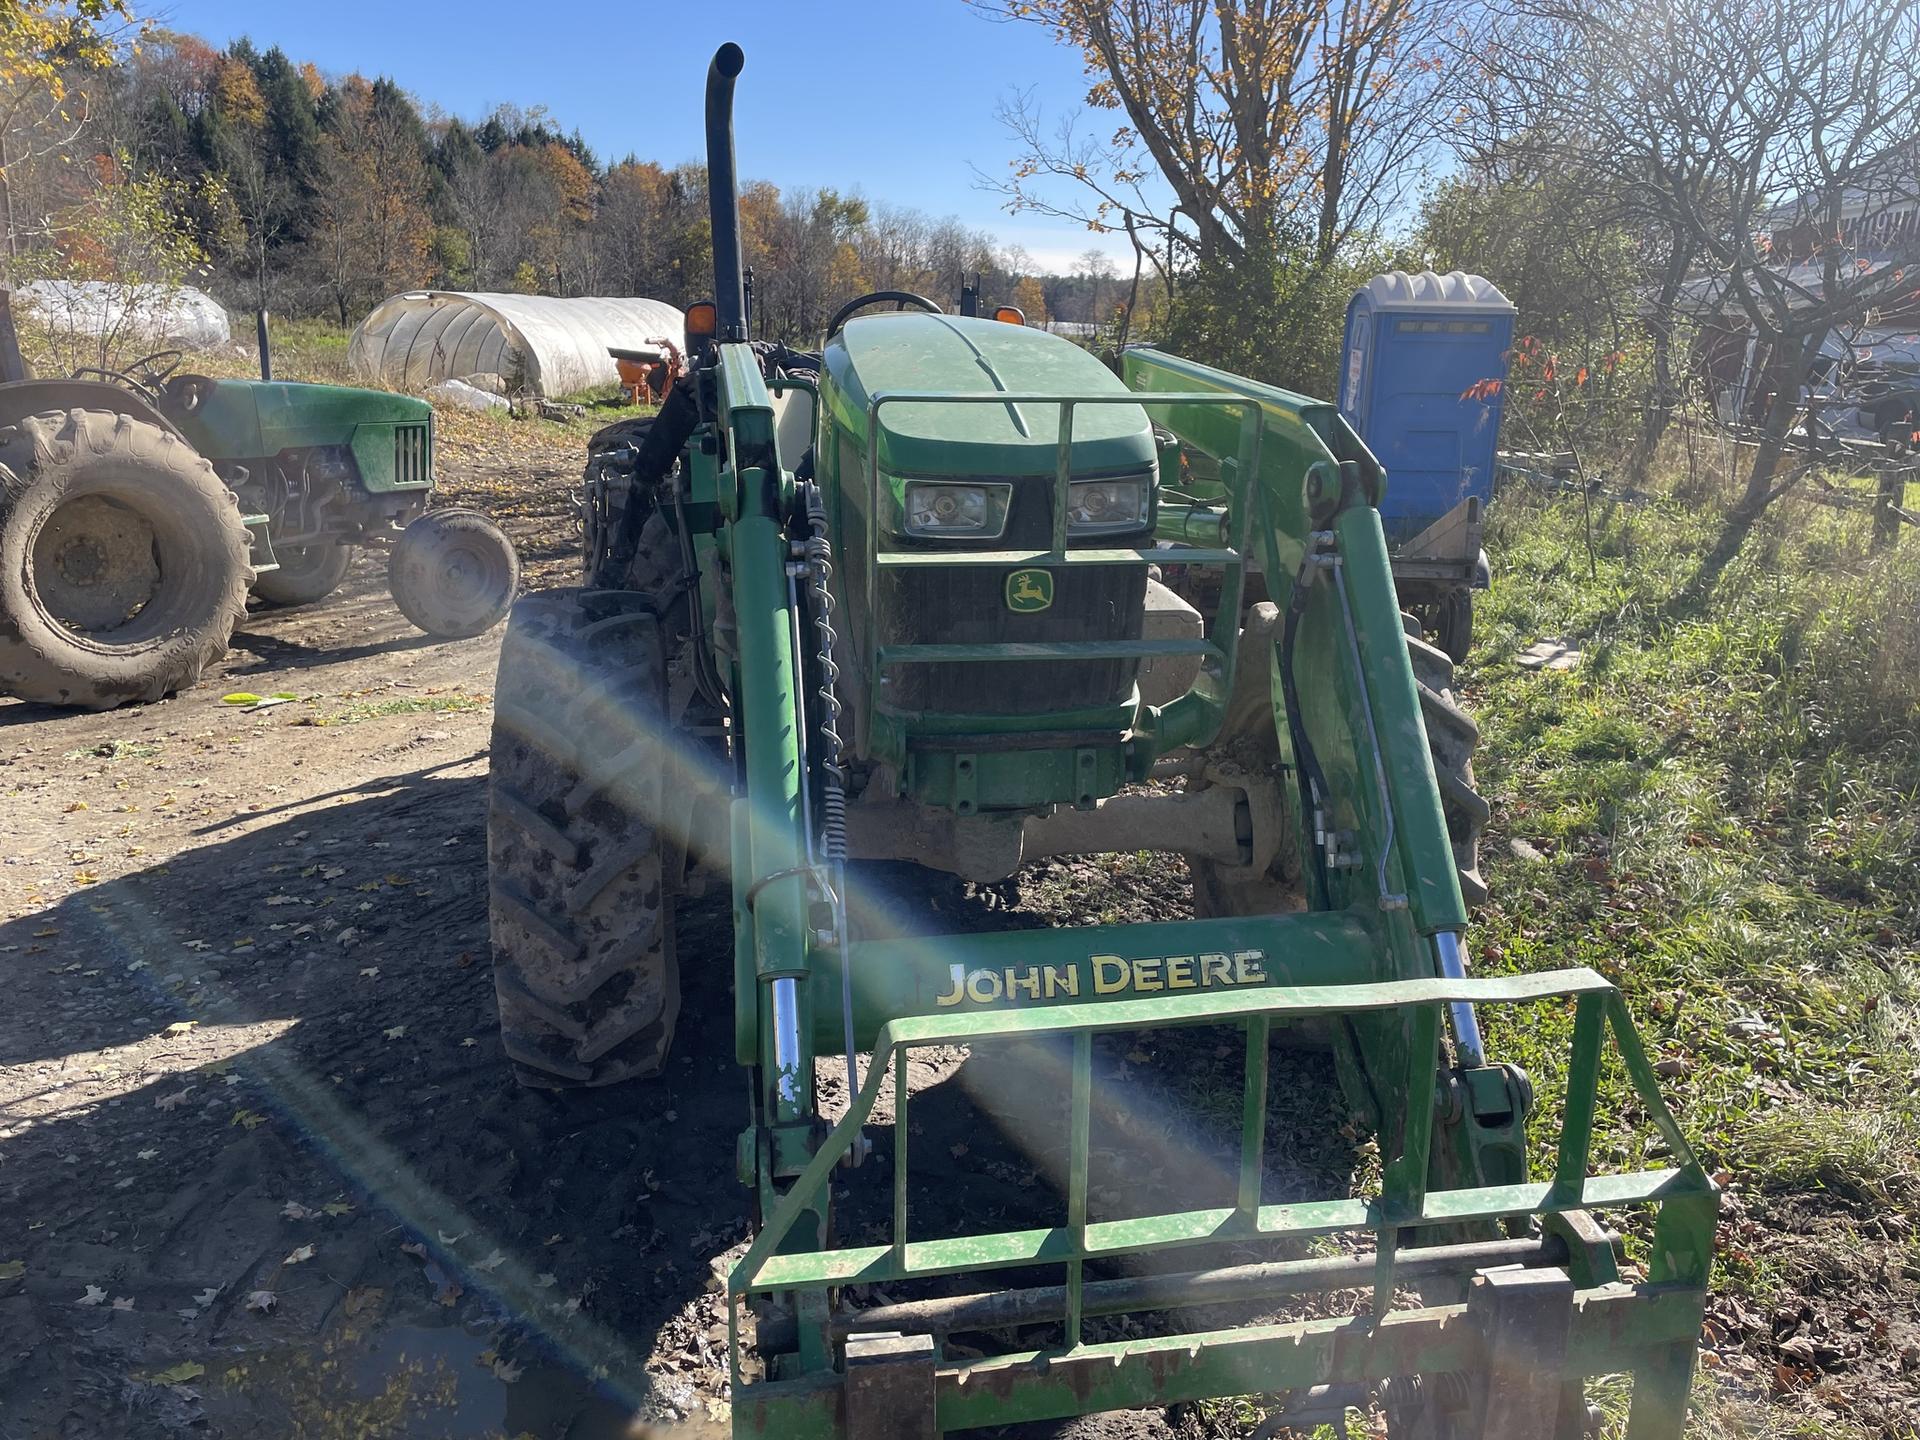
<point x="723" y="194"/>
<point x="266" y="344"/>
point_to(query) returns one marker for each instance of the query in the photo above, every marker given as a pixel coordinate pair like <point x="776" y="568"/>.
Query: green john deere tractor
<point x="139" y="506"/>
<point x="900" y="600"/>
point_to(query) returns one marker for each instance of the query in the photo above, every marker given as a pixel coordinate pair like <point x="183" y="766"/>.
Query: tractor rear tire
<point x="584" y="967"/>
<point x="1249" y="738"/>
<point x="123" y="561"/>
<point x="454" y="573"/>
<point x="307" y="573"/>
<point x="1452" y="737"/>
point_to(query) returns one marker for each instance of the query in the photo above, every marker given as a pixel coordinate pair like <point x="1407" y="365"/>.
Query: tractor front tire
<point x="123" y="561"/>
<point x="582" y="923"/>
<point x="454" y="573"/>
<point x="307" y="573"/>
<point x="1248" y="737"/>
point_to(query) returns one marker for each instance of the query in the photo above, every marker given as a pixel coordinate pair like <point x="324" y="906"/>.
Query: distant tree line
<point x="316" y="194"/>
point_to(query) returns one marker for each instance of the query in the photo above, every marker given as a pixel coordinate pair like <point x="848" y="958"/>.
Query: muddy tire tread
<point x="584" y="967"/>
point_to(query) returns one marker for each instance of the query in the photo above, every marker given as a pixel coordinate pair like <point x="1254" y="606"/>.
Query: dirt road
<point x="262" y="1168"/>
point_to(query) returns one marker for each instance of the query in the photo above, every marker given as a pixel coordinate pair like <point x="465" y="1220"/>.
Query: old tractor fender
<point x="22" y="398"/>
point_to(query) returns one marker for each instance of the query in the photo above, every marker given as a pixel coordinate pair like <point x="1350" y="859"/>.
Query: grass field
<point x="1717" y="809"/>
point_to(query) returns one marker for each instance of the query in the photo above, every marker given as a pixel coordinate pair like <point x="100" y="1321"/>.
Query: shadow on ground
<point x="264" y="1132"/>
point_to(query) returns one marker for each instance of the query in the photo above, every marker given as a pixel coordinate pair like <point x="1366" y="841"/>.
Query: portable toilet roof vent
<point x="1399" y="290"/>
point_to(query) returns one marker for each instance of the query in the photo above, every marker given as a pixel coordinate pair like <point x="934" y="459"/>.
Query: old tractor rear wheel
<point x="123" y="561"/>
<point x="584" y="966"/>
<point x="307" y="573"/>
<point x="454" y="573"/>
<point x="1249" y="743"/>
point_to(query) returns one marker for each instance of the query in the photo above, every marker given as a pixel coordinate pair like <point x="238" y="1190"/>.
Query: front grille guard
<point x="1613" y="1327"/>
<point x="1193" y="718"/>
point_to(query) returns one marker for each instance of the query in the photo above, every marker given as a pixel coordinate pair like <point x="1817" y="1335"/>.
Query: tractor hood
<point x="954" y="355"/>
<point x="254" y="419"/>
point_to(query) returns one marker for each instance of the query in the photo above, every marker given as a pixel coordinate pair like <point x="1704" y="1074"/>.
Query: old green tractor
<point x="139" y="506"/>
<point x="900" y="601"/>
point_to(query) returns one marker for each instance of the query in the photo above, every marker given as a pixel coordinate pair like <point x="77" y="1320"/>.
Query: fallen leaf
<point x="395" y="1033"/>
<point x="12" y="1269"/>
<point x="207" y="1296"/>
<point x="300" y="1256"/>
<point x="507" y="1371"/>
<point x="468" y="1043"/>
<point x="181" y="1027"/>
<point x="446" y="1239"/>
<point x="93" y="1296"/>
<point x="283" y="900"/>
<point x="251" y="1119"/>
<point x="147" y="1154"/>
<point x="492" y="1262"/>
<point x="172" y="1102"/>
<point x="546" y="1280"/>
<point x="294" y="1210"/>
<point x="261" y="1301"/>
<point x="336" y="1208"/>
<point x="125" y="1302"/>
<point x="178" y="1374"/>
<point x="240" y="697"/>
<point x="370" y="972"/>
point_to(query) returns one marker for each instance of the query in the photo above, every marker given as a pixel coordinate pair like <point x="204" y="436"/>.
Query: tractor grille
<point x="412" y="458"/>
<point x="967" y="606"/>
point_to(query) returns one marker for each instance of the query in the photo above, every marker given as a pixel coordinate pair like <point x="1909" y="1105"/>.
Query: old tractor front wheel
<point x="307" y="573"/>
<point x="454" y="573"/>
<point x="123" y="561"/>
<point x="584" y="967"/>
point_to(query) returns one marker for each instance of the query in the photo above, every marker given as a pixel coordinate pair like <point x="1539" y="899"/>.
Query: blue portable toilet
<point x="1414" y="345"/>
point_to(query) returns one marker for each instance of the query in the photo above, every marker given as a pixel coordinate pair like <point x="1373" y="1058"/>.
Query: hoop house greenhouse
<point x="533" y="343"/>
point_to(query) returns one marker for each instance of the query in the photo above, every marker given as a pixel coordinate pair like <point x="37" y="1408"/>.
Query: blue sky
<point x="895" y="98"/>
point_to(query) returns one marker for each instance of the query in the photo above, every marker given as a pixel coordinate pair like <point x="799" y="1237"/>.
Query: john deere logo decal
<point x="1029" y="591"/>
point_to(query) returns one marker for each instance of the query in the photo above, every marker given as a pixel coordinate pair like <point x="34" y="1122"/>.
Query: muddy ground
<point x="263" y="1171"/>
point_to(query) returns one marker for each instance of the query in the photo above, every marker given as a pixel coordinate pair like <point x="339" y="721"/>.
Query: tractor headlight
<point x="1096" y="506"/>
<point x="939" y="510"/>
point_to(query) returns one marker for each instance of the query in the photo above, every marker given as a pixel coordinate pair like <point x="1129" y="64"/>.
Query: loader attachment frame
<point x="1517" y="1348"/>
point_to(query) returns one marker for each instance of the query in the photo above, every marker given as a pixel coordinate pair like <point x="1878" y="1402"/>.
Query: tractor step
<point x="263" y="558"/>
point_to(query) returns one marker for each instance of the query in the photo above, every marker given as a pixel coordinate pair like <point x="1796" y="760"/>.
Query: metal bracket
<point x="1524" y="1317"/>
<point x="889" y="1388"/>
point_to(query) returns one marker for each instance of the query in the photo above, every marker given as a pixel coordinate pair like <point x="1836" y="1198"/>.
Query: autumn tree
<point x="1249" y="149"/>
<point x="1032" y="299"/>
<point x="124" y="248"/>
<point x="1246" y="119"/>
<point x="372" y="231"/>
<point x="47" y="50"/>
<point x="1773" y="143"/>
